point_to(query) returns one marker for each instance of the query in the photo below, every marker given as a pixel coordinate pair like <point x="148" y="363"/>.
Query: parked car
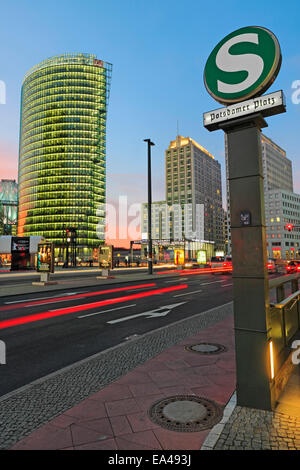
<point x="272" y="269"/>
<point x="221" y="264"/>
<point x="293" y="267"/>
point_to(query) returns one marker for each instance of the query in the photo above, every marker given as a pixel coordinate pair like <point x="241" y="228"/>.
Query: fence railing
<point x="285" y="314"/>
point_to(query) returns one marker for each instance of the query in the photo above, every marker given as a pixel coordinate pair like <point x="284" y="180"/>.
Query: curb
<point x="217" y="430"/>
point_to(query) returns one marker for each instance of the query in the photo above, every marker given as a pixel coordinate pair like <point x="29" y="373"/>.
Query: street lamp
<point x="150" y="260"/>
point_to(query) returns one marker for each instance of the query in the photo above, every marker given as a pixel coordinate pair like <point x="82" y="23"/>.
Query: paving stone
<point x="29" y="408"/>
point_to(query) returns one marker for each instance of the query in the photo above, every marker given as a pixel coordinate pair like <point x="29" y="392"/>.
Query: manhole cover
<point x="206" y="348"/>
<point x="185" y="413"/>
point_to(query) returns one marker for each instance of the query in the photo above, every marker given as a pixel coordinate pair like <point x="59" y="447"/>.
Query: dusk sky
<point x="158" y="49"/>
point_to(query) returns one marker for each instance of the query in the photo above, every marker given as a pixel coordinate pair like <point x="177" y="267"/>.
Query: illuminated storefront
<point x="62" y="158"/>
<point x="184" y="250"/>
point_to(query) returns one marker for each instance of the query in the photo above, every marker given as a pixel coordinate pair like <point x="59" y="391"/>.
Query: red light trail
<point x="71" y="297"/>
<point x="78" y="308"/>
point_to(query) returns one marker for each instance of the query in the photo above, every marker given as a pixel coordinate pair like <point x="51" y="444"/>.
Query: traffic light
<point x="289" y="227"/>
<point x="71" y="234"/>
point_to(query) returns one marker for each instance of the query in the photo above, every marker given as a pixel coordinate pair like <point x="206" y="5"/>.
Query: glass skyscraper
<point x="62" y="157"/>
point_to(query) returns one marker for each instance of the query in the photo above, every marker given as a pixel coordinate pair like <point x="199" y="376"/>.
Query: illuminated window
<point x="63" y="148"/>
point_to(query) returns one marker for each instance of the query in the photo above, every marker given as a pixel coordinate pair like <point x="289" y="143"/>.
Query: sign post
<point x="45" y="263"/>
<point x="240" y="68"/>
<point x="105" y="259"/>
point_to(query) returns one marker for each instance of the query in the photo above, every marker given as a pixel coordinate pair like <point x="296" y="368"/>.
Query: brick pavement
<point x="116" y="417"/>
<point x="249" y="429"/>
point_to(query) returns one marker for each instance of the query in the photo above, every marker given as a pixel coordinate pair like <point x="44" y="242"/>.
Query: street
<point x="45" y="332"/>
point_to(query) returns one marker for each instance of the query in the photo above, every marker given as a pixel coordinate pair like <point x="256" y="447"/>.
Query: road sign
<point x="158" y="312"/>
<point x="243" y="65"/>
<point x="266" y="105"/>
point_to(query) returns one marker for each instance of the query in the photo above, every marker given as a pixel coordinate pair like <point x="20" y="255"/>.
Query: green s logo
<point x="243" y="65"/>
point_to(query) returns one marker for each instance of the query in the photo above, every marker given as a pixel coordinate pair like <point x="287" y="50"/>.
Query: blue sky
<point x="158" y="49"/>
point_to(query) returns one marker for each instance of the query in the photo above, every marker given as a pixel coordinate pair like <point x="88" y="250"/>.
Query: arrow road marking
<point x="158" y="312"/>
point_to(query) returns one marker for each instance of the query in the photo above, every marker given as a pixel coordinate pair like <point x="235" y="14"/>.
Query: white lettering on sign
<point x="263" y="105"/>
<point x="251" y="63"/>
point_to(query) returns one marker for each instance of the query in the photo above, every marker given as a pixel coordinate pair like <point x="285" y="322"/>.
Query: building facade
<point x="282" y="208"/>
<point x="171" y="222"/>
<point x="193" y="177"/>
<point x="277" y="168"/>
<point x="62" y="156"/>
<point x="281" y="203"/>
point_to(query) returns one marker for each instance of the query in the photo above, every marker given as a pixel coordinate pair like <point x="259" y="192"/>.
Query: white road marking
<point x="110" y="310"/>
<point x="187" y="293"/>
<point x="158" y="312"/>
<point x="53" y="302"/>
<point x="205" y="283"/>
<point x="225" y="285"/>
<point x="42" y="298"/>
<point x="178" y="280"/>
<point x="149" y="287"/>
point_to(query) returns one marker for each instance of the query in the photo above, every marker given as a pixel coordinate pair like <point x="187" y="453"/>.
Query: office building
<point x="62" y="156"/>
<point x="281" y="203"/>
<point x="191" y="217"/>
<point x="193" y="177"/>
<point x="282" y="209"/>
<point x="277" y="168"/>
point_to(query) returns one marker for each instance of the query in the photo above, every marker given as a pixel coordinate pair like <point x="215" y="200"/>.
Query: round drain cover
<point x="206" y="348"/>
<point x="185" y="413"/>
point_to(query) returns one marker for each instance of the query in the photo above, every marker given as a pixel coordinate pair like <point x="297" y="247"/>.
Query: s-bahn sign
<point x="240" y="68"/>
<point x="266" y="105"/>
<point x="243" y="65"/>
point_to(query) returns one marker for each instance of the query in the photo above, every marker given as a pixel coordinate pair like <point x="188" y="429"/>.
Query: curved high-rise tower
<point x="63" y="149"/>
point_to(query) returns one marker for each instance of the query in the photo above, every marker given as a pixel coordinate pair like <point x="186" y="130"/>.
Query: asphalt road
<point x="44" y="332"/>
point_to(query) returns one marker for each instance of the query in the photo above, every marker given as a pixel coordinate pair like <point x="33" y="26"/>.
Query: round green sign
<point x="243" y="65"/>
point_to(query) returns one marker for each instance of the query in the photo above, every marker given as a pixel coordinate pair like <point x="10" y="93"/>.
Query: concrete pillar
<point x="249" y="256"/>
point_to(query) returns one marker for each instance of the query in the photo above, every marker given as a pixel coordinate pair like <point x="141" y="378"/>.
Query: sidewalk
<point x="117" y="416"/>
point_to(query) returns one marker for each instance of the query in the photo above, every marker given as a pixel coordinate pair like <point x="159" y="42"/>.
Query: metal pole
<point x="150" y="254"/>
